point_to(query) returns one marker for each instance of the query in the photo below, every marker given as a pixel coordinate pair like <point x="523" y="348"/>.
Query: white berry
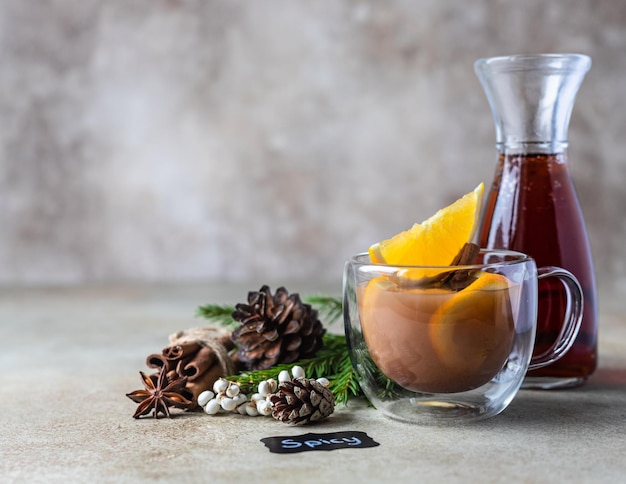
<point x="228" y="404"/>
<point x="251" y="409"/>
<point x="273" y="385"/>
<point x="283" y="376"/>
<point x="220" y="385"/>
<point x="232" y="390"/>
<point x="212" y="407"/>
<point x="264" y="407"/>
<point x="297" y="371"/>
<point x="323" y="381"/>
<point x="204" y="397"/>
<point x="267" y="386"/>
<point x="263" y="388"/>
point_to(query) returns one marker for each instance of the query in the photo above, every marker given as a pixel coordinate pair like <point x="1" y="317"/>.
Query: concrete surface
<point x="211" y="139"/>
<point x="70" y="354"/>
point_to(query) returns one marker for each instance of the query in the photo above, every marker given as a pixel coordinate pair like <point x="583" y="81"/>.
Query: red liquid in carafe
<point x="533" y="208"/>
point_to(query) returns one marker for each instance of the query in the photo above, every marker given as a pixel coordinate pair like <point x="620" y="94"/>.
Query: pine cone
<point x="301" y="401"/>
<point x="275" y="329"/>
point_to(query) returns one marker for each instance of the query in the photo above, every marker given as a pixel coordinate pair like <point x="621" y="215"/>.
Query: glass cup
<point x="433" y="344"/>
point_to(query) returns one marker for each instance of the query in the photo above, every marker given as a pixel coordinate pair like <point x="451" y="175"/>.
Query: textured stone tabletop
<point x="69" y="355"/>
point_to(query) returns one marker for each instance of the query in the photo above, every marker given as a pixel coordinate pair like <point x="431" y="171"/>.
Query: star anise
<point x="160" y="393"/>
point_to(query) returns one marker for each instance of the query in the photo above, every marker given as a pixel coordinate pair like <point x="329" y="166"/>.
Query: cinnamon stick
<point x="178" y="351"/>
<point x="196" y="364"/>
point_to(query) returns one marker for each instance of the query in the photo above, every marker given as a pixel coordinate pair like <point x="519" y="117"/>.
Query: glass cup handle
<point x="572" y="319"/>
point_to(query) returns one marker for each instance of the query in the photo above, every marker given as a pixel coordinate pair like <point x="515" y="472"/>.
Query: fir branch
<point x="343" y="384"/>
<point x="217" y="313"/>
<point x="332" y="362"/>
<point x="328" y="307"/>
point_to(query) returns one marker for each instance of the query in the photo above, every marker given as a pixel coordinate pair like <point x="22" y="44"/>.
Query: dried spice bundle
<point x="195" y="359"/>
<point x="199" y="354"/>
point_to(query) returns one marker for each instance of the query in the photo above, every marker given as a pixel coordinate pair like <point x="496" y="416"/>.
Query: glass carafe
<point x="532" y="206"/>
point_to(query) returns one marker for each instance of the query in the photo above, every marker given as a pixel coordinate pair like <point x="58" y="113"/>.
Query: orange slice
<point x="436" y="241"/>
<point x="474" y="330"/>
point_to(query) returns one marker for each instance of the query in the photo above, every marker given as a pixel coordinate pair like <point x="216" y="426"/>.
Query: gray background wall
<point x="255" y="140"/>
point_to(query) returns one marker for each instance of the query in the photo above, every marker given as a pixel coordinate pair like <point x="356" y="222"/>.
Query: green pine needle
<point x="328" y="307"/>
<point x="221" y="314"/>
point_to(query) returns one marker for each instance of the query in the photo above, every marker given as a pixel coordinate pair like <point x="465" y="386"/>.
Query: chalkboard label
<point x="332" y="441"/>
